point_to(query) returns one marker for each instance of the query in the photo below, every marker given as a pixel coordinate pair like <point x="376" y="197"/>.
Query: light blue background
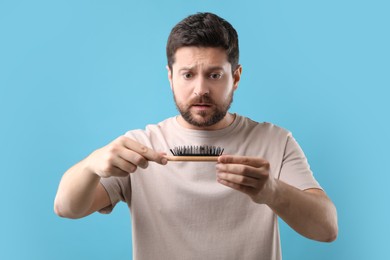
<point x="74" y="75"/>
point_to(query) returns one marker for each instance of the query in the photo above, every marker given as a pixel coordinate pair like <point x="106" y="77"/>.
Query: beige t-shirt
<point x="179" y="211"/>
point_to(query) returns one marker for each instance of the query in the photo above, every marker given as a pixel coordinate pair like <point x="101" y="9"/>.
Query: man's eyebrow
<point x="215" y="68"/>
<point x="186" y="68"/>
<point x="211" y="68"/>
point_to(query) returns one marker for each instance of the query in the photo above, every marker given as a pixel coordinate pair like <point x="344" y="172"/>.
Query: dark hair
<point x="204" y="30"/>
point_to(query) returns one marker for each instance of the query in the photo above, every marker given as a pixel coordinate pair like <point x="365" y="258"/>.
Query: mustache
<point x="204" y="99"/>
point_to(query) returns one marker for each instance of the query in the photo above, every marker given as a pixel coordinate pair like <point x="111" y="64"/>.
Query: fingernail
<point x="145" y="165"/>
<point x="164" y="161"/>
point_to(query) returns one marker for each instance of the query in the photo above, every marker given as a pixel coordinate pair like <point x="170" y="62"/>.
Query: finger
<point x="251" y="161"/>
<point x="235" y="186"/>
<point x="143" y="150"/>
<point x="239" y="179"/>
<point x="133" y="158"/>
<point x="116" y="167"/>
<point x="125" y="165"/>
<point x="240" y="169"/>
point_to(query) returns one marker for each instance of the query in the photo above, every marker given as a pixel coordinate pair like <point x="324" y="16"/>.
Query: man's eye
<point x="187" y="75"/>
<point x="215" y="76"/>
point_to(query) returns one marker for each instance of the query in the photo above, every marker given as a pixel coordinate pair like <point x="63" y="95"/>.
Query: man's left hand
<point x="249" y="175"/>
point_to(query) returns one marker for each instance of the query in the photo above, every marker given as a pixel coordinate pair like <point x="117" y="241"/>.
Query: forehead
<point x="200" y="56"/>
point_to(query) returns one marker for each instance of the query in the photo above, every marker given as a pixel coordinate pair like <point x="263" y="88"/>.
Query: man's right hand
<point x="121" y="157"/>
<point x="80" y="192"/>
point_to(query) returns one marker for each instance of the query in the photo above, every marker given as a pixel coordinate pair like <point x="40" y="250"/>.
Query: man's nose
<point x="201" y="88"/>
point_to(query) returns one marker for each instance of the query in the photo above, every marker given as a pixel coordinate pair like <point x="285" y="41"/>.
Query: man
<point x="203" y="210"/>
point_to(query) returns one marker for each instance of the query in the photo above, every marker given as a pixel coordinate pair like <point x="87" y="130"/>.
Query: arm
<point x="311" y="213"/>
<point x="80" y="192"/>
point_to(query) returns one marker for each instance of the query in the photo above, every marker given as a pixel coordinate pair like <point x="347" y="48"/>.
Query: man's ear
<point x="237" y="76"/>
<point x="169" y="76"/>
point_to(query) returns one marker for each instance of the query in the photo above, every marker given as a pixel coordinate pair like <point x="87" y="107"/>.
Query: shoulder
<point x="265" y="128"/>
<point x="152" y="128"/>
<point x="152" y="134"/>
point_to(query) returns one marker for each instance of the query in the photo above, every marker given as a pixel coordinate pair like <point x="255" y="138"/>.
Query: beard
<point x="204" y="118"/>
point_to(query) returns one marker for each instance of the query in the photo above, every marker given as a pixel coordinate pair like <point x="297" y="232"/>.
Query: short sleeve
<point x="118" y="189"/>
<point x="295" y="168"/>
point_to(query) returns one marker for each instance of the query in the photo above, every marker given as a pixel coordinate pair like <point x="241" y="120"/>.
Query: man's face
<point x="203" y="85"/>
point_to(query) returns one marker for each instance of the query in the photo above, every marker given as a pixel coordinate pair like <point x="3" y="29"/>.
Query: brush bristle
<point x="201" y="150"/>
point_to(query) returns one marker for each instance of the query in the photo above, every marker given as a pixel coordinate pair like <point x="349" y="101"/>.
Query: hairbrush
<point x="201" y="153"/>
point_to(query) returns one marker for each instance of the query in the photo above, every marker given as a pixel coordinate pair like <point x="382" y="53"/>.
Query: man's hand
<point x="249" y="175"/>
<point x="311" y="213"/>
<point x="121" y="157"/>
<point x="80" y="192"/>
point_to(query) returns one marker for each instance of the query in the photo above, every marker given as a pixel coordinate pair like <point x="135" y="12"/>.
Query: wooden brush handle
<point x="192" y="158"/>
